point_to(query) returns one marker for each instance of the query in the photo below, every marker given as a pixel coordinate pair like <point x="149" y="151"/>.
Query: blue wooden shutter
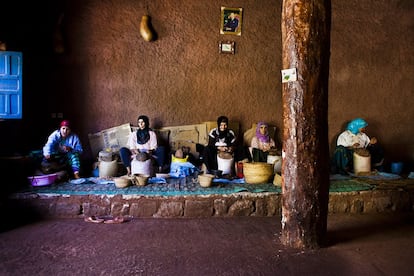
<point x="11" y="85"/>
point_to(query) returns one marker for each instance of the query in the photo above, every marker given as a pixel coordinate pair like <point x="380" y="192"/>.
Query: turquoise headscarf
<point x="356" y="124"/>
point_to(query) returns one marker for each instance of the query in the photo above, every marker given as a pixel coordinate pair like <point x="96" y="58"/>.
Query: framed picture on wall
<point x="231" y="21"/>
<point x="226" y="47"/>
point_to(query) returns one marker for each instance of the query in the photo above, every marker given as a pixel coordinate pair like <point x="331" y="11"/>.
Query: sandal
<point x="108" y="219"/>
<point x="115" y="220"/>
<point x="94" y="219"/>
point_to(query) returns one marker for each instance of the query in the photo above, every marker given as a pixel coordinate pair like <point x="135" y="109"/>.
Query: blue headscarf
<point x="356" y="124"/>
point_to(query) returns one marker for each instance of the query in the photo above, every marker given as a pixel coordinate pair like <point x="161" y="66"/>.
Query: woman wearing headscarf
<point x="63" y="147"/>
<point x="261" y="143"/>
<point x="220" y="140"/>
<point x="351" y="139"/>
<point x="142" y="144"/>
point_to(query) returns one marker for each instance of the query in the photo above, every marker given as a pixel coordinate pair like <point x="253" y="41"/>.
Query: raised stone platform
<point x="383" y="196"/>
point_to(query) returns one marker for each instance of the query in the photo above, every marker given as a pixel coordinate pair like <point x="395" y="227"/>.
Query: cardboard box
<point x="176" y="136"/>
<point x="112" y="138"/>
<point x="187" y="135"/>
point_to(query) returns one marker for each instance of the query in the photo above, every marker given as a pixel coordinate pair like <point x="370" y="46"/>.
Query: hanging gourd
<point x="146" y="30"/>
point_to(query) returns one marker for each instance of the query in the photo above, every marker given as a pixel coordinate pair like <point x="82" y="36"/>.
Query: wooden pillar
<point x="305" y="186"/>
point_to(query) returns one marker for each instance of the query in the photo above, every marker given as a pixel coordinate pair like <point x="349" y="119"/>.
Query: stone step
<point x="238" y="204"/>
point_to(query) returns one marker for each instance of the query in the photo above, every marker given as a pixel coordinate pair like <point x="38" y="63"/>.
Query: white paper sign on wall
<point x="289" y="75"/>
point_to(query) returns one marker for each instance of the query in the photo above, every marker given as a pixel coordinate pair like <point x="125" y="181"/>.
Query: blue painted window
<point x="11" y="85"/>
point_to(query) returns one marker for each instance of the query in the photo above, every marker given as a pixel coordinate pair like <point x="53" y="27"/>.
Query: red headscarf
<point x="65" y="123"/>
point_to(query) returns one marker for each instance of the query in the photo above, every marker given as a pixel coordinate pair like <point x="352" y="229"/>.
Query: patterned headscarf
<point x="356" y="124"/>
<point x="265" y="138"/>
<point x="143" y="135"/>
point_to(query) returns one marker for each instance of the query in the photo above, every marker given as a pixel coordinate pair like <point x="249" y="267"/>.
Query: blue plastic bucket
<point x="396" y="167"/>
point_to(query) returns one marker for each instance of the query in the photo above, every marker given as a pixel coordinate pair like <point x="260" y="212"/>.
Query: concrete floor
<point x="358" y="244"/>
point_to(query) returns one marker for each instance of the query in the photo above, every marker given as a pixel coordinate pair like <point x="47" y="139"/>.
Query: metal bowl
<point x="217" y="173"/>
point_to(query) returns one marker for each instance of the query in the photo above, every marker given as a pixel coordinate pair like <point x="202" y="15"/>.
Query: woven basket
<point x="205" y="180"/>
<point x="122" y="182"/>
<point x="141" y="179"/>
<point x="257" y="172"/>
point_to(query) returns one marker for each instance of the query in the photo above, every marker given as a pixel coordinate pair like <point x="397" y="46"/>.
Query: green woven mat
<point x="164" y="189"/>
<point x="348" y="186"/>
<point x="180" y="187"/>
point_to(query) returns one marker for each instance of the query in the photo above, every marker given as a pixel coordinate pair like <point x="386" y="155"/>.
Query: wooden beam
<point x="305" y="186"/>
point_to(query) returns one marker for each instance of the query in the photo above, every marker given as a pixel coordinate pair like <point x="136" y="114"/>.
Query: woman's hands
<point x="65" y="148"/>
<point x="266" y="147"/>
<point x="225" y="149"/>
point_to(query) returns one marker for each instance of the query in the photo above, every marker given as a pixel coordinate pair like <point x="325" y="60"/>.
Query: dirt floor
<point x="381" y="244"/>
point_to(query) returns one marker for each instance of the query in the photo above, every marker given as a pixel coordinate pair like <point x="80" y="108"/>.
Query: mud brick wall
<point x="241" y="204"/>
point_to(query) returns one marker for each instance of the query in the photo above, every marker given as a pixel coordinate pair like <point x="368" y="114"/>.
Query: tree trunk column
<point x="305" y="186"/>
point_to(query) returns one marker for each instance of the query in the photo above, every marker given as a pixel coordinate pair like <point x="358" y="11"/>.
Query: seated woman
<point x="351" y="139"/>
<point x="142" y="145"/>
<point x="221" y="142"/>
<point x="63" y="147"/>
<point x="262" y="143"/>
